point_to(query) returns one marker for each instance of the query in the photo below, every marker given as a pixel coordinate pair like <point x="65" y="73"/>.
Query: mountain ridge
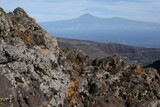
<point x="134" y="54"/>
<point x="115" y="30"/>
<point x="88" y="15"/>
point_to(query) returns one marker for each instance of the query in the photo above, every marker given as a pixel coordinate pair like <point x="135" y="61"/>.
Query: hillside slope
<point x="139" y="55"/>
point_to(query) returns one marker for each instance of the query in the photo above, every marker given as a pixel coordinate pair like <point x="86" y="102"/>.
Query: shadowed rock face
<point x="155" y="65"/>
<point x="34" y="72"/>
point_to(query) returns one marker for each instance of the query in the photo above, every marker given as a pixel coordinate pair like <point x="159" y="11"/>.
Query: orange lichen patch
<point x="73" y="83"/>
<point x="25" y="37"/>
<point x="137" y="69"/>
<point x="44" y="49"/>
<point x="73" y="86"/>
<point x="16" y="33"/>
<point x="28" y="36"/>
<point x="71" y="91"/>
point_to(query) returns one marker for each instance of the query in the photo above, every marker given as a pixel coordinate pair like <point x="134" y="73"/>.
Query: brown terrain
<point x="133" y="54"/>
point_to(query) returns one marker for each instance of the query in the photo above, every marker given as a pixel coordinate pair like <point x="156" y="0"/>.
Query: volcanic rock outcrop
<point x="29" y="71"/>
<point x="35" y="72"/>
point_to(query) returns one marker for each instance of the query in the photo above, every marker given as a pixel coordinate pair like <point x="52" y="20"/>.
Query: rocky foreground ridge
<point x="35" y="72"/>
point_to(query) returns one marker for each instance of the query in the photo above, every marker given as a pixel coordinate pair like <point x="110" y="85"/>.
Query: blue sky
<point x="54" y="10"/>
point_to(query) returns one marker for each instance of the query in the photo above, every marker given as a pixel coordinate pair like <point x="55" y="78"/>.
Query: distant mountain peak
<point x="87" y="15"/>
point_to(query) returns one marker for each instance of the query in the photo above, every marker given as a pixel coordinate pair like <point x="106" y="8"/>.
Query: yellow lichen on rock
<point x="25" y="37"/>
<point x="137" y="69"/>
<point x="73" y="86"/>
<point x="28" y="38"/>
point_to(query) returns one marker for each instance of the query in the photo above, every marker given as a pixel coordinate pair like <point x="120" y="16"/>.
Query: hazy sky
<point x="53" y="10"/>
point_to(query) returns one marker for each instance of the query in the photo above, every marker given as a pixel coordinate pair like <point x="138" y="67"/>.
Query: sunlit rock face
<point x="29" y="65"/>
<point x="35" y="72"/>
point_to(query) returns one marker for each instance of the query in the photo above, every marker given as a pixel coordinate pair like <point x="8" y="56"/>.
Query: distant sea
<point x="144" y="38"/>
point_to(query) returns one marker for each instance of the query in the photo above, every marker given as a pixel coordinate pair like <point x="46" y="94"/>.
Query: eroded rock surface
<point x="28" y="63"/>
<point x="34" y="72"/>
<point x="111" y="82"/>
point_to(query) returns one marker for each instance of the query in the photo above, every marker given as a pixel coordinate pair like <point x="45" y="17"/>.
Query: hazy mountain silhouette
<point x="115" y="29"/>
<point x="114" y="23"/>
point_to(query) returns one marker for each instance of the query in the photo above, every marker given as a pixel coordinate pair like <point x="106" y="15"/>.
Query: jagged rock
<point x="111" y="82"/>
<point x="34" y="72"/>
<point x="28" y="64"/>
<point x="4" y="23"/>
